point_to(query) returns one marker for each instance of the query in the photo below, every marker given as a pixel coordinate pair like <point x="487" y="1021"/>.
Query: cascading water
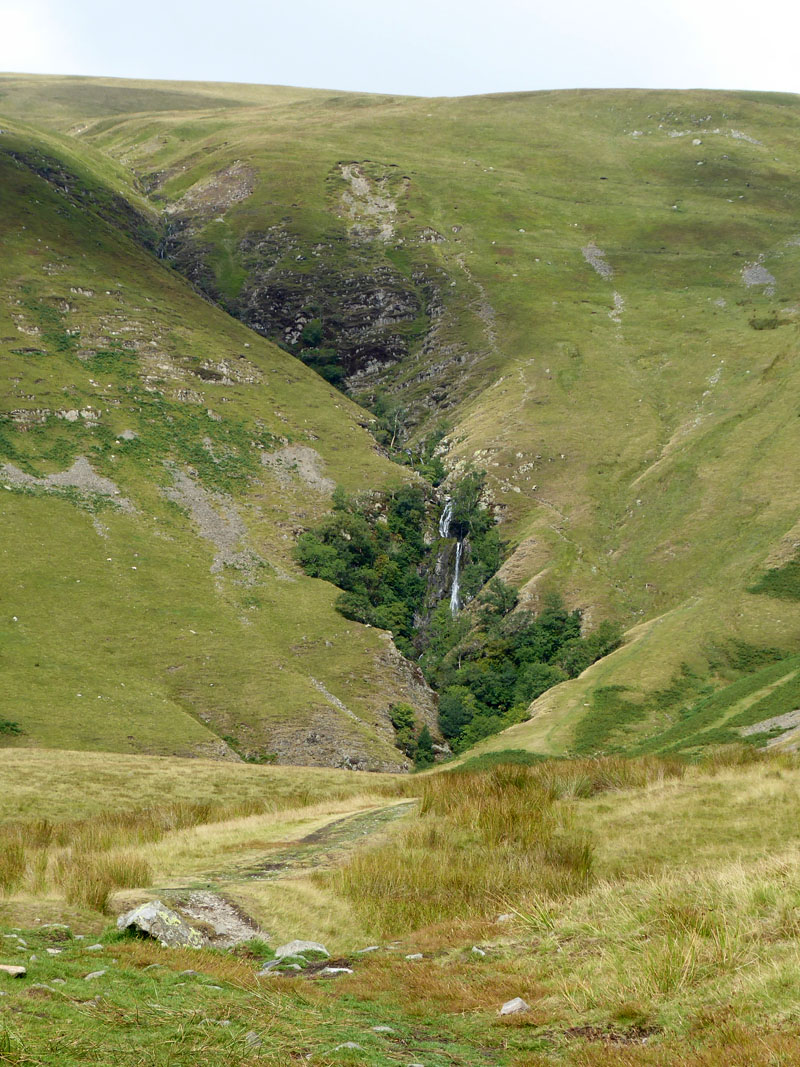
<point x="445" y="517"/>
<point x="444" y="531"/>
<point x="454" y="597"/>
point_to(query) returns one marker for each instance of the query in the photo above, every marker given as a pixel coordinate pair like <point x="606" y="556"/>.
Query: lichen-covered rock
<point x="162" y="923"/>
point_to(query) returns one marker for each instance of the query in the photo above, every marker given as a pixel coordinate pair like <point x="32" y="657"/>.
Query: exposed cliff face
<point x="364" y="310"/>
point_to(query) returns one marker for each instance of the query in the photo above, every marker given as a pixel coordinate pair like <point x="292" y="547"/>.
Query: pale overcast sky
<point x="424" y="47"/>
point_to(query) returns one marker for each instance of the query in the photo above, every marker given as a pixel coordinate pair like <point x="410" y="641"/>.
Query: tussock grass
<point x="91" y="878"/>
<point x="480" y="838"/>
<point x="588" y="777"/>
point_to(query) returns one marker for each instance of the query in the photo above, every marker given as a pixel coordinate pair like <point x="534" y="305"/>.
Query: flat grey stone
<point x="94" y="974"/>
<point x="336" y="970"/>
<point x="268" y="967"/>
<point x="514" y="1007"/>
<point x="383" y="1030"/>
<point x="415" y="956"/>
<point x="350" y="1044"/>
<point x="297" y="948"/>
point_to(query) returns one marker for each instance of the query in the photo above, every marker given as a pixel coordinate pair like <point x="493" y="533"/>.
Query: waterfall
<point x="454" y="598"/>
<point x="445" y="517"/>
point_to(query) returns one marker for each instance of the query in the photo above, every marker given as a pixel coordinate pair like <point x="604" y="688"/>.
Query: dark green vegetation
<point x="782" y="582"/>
<point x="487" y="662"/>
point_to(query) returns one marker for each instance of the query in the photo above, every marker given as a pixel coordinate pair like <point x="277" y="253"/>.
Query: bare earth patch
<point x="299" y="461"/>
<point x="79" y="476"/>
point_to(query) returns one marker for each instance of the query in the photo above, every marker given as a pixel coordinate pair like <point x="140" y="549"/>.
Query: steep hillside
<point x="595" y="292"/>
<point x="158" y="459"/>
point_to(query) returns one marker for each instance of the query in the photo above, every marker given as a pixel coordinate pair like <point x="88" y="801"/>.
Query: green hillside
<point x="594" y="294"/>
<point x="158" y="458"/>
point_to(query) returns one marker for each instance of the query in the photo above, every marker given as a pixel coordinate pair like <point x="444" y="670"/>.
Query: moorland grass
<point x="677" y="944"/>
<point x="485" y="837"/>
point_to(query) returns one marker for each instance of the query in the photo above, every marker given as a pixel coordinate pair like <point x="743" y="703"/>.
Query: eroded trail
<point x="286" y="845"/>
<point x="322" y="847"/>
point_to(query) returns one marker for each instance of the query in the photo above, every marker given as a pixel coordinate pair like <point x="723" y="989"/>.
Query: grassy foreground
<point x="651" y="916"/>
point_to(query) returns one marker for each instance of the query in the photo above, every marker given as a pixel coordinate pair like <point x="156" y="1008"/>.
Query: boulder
<point x="300" y="948"/>
<point x="12" y="971"/>
<point x="162" y="923"/>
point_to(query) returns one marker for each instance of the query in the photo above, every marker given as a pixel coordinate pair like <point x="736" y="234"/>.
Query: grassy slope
<point x="115" y="635"/>
<point x="641" y="464"/>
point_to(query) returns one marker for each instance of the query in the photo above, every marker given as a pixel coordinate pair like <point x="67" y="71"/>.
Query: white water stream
<point x="454" y="598"/>
<point x="444" y="531"/>
<point x="445" y="517"/>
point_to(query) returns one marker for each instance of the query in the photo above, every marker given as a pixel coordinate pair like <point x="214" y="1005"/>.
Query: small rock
<point x="383" y="1030"/>
<point x="350" y="1044"/>
<point x="152" y="966"/>
<point x="506" y="917"/>
<point x="127" y="435"/>
<point x="336" y="970"/>
<point x="94" y="974"/>
<point x="187" y="973"/>
<point x="34" y="957"/>
<point x="214" y="987"/>
<point x="252" y="1039"/>
<point x="415" y="956"/>
<point x="12" y="971"/>
<point x="94" y="948"/>
<point x="372" y="948"/>
<point x="298" y="948"/>
<point x="58" y="981"/>
<point x="477" y="951"/>
<point x="514" y="1007"/>
<point x="54" y="951"/>
<point x="267" y="968"/>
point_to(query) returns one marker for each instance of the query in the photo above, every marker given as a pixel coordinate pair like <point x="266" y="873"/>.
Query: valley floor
<point x="680" y="946"/>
